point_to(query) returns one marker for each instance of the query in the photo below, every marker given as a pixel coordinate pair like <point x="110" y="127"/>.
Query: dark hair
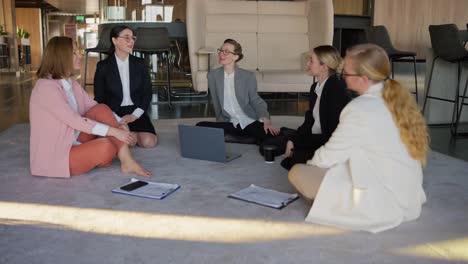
<point x="57" y="62"/>
<point x="237" y="48"/>
<point x="115" y="32"/>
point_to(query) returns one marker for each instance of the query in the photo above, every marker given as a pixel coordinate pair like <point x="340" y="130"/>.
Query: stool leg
<point x="393" y="72"/>
<point x="462" y="103"/>
<point x="168" y="80"/>
<point x="428" y="84"/>
<point x="85" y="70"/>
<point x="415" y="79"/>
<point x="454" y="124"/>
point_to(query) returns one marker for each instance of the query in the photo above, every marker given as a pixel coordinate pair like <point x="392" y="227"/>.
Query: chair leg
<point x="415" y="79"/>
<point x="168" y="80"/>
<point x="393" y="71"/>
<point x="462" y="103"/>
<point x="85" y="70"/>
<point x="428" y="84"/>
<point x="455" y="117"/>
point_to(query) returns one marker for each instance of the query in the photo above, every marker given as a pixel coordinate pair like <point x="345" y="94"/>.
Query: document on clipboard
<point x="265" y="197"/>
<point x="147" y="189"/>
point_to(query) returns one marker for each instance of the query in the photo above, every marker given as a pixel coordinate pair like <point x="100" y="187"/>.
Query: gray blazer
<point x="246" y="93"/>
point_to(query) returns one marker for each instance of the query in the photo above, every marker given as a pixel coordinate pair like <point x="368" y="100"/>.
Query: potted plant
<point x="23" y="35"/>
<point x="3" y="35"/>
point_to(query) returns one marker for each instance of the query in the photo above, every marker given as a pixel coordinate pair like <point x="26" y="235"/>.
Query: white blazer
<point x="373" y="183"/>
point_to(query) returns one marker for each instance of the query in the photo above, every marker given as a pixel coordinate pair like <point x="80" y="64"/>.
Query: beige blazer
<point x="373" y="183"/>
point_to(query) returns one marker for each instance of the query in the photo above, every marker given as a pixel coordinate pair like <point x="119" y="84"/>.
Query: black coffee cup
<point x="268" y="153"/>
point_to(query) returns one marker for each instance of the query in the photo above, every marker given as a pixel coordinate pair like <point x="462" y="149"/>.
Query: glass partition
<point x="142" y="10"/>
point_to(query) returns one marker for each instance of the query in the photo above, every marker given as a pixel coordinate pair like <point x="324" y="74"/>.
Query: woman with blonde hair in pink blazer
<point x="70" y="133"/>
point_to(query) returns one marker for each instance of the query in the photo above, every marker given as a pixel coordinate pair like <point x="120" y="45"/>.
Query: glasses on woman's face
<point x="128" y="38"/>
<point x="225" y="52"/>
<point x="343" y="74"/>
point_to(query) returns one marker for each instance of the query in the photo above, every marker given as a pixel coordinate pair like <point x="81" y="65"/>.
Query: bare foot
<point x="133" y="167"/>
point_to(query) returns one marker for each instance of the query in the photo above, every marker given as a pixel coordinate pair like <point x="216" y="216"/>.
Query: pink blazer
<point x="53" y="121"/>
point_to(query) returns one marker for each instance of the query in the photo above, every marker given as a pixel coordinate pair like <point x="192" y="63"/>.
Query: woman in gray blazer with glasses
<point x="239" y="110"/>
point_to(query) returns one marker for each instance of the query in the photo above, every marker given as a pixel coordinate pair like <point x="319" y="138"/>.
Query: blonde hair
<point x="329" y="56"/>
<point x="372" y="61"/>
<point x="57" y="62"/>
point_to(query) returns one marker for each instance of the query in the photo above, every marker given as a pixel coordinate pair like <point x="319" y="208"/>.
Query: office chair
<point x="102" y="47"/>
<point x="446" y="44"/>
<point x="379" y="35"/>
<point x="155" y="41"/>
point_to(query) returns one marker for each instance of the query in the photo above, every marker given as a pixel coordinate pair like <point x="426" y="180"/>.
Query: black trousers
<point x="254" y="130"/>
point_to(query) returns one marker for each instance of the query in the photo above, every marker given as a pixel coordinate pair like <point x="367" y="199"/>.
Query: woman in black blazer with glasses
<point x="122" y="81"/>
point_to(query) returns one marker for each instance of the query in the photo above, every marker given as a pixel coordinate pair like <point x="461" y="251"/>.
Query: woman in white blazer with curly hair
<point x="368" y="176"/>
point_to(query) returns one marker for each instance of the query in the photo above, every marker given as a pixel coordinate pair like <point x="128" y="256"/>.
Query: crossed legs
<point x="99" y="152"/>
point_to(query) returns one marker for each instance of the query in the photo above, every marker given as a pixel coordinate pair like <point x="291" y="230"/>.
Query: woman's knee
<point x="147" y="140"/>
<point x="98" y="109"/>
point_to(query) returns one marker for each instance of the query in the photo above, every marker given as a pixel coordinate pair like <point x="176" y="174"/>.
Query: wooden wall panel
<point x="408" y="21"/>
<point x="30" y="20"/>
<point x="350" y="7"/>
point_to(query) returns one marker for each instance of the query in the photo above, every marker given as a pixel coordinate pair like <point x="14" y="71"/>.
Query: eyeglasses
<point x="344" y="74"/>
<point x="128" y="38"/>
<point x="225" y="52"/>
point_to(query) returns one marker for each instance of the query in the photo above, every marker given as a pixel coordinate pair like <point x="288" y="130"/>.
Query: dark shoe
<point x="287" y="163"/>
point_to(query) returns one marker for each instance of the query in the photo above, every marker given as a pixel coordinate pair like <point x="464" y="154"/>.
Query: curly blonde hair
<point x="372" y="61"/>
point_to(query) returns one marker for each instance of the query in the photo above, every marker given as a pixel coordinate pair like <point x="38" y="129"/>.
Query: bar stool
<point x="102" y="47"/>
<point x="446" y="44"/>
<point x="379" y="35"/>
<point x="155" y="41"/>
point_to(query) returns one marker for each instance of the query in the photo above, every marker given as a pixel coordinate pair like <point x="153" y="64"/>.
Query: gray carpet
<point x="79" y="220"/>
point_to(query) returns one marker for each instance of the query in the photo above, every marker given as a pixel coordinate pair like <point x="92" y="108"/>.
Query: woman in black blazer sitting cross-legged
<point x="122" y="82"/>
<point x="328" y="96"/>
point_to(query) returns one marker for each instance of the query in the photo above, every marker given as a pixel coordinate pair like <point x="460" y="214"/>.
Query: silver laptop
<point x="205" y="143"/>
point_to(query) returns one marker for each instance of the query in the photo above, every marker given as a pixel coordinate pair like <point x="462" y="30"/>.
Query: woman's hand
<point x="269" y="128"/>
<point x="289" y="149"/>
<point x="125" y="136"/>
<point x="125" y="127"/>
<point x="128" y="119"/>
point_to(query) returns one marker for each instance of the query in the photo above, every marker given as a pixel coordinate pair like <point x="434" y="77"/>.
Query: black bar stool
<point x="155" y="41"/>
<point x="379" y="35"/>
<point x="446" y="44"/>
<point x="102" y="47"/>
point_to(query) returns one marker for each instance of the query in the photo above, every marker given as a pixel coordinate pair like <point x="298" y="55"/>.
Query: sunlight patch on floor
<point x="453" y="250"/>
<point x="158" y="226"/>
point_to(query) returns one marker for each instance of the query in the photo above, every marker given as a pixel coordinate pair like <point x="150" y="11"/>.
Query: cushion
<point x="287" y="76"/>
<point x="231" y="7"/>
<point x="282" y="8"/>
<point x="231" y="23"/>
<point x="277" y="51"/>
<point x="283" y="24"/>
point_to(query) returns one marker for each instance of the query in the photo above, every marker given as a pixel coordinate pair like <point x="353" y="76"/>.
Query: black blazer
<point x="108" y="86"/>
<point x="334" y="98"/>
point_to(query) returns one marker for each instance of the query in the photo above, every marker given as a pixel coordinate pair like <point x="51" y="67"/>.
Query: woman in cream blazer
<point x="368" y="176"/>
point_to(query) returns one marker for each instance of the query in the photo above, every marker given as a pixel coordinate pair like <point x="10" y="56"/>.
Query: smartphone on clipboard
<point x="133" y="186"/>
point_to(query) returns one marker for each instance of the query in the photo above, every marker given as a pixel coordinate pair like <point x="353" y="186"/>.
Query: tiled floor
<point x="15" y="93"/>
